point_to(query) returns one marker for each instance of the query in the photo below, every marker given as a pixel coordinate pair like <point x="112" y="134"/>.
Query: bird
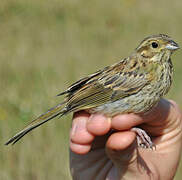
<point x="133" y="85"/>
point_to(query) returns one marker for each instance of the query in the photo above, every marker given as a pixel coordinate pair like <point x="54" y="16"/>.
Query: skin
<point x="103" y="148"/>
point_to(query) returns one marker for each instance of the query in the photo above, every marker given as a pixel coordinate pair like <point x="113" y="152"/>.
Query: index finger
<point x="156" y="116"/>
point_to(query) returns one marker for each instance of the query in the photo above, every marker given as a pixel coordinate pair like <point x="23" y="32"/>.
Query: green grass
<point x="46" y="45"/>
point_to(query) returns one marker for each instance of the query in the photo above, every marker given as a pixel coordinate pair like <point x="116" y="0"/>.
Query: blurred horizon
<point x="47" y="45"/>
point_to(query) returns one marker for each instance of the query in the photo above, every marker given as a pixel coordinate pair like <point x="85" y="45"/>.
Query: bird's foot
<point x="143" y="139"/>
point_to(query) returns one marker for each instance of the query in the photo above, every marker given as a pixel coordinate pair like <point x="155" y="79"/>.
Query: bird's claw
<point x="143" y="140"/>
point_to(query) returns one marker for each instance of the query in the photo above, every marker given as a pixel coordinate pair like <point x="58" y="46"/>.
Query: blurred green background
<point x="47" y="44"/>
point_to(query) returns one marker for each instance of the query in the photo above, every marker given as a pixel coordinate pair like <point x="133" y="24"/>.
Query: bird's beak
<point x="172" y="45"/>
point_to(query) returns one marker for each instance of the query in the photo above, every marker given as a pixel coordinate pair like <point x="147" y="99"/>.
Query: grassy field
<point x="46" y="45"/>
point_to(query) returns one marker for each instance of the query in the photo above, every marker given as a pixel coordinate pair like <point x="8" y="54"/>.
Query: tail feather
<point x="50" y="114"/>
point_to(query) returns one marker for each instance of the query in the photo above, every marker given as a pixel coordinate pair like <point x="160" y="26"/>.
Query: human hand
<point x="105" y="148"/>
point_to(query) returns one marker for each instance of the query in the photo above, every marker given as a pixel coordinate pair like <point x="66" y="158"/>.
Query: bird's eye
<point x="154" y="45"/>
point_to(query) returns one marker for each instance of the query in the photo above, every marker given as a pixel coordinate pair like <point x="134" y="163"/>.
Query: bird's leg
<point x="143" y="139"/>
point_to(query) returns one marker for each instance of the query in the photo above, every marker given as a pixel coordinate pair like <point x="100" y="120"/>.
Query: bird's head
<point x="157" y="46"/>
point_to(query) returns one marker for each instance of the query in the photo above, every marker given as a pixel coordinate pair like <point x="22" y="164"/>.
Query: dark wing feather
<point x="78" y="84"/>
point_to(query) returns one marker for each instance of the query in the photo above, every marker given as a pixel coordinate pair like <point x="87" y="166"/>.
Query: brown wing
<point x="110" y="85"/>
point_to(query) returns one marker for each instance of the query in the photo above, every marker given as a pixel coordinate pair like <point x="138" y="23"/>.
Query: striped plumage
<point x="135" y="84"/>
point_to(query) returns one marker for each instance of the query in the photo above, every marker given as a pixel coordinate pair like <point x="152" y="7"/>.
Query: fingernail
<point x="78" y="126"/>
<point x="90" y="118"/>
<point x="73" y="130"/>
<point x="99" y="118"/>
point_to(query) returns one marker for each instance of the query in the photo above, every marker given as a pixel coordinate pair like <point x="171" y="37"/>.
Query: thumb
<point x="121" y="148"/>
<point x="127" y="158"/>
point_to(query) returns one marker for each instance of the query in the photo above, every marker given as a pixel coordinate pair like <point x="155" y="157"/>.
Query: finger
<point x="98" y="124"/>
<point x="80" y="148"/>
<point x="125" y="121"/>
<point x="79" y="133"/>
<point x="157" y="114"/>
<point x="121" y="148"/>
<point x="120" y="140"/>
